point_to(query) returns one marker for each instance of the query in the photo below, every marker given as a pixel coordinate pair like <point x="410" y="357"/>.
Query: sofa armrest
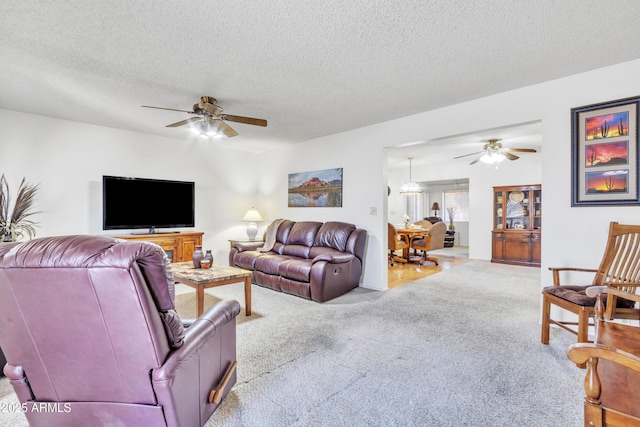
<point x="334" y="258"/>
<point x="248" y="246"/>
<point x="209" y="347"/>
<point x="200" y="331"/>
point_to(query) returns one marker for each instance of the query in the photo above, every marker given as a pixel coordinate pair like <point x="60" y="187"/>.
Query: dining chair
<point x="619" y="269"/>
<point x="396" y="242"/>
<point x="434" y="239"/>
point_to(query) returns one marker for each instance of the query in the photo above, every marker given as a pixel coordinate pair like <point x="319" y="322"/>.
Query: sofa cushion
<point x="269" y="263"/>
<point x="320" y="250"/>
<point x="298" y="251"/>
<point x="296" y="269"/>
<point x="267" y="280"/>
<point x="303" y="233"/>
<point x="334" y="234"/>
<point x="577" y="295"/>
<point x="293" y="287"/>
<point x="247" y="259"/>
<point x="283" y="231"/>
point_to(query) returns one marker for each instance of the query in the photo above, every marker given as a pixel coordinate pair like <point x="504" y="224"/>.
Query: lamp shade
<point x="410" y="187"/>
<point x="252" y="216"/>
<point x="435" y="206"/>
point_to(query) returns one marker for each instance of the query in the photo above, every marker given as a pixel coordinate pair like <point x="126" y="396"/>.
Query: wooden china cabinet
<point x="517" y="222"/>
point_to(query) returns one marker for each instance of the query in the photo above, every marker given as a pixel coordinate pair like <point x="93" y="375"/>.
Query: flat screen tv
<point x="134" y="203"/>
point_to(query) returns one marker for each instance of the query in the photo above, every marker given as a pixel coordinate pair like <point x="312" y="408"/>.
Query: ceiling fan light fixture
<point x="212" y="122"/>
<point x="212" y="131"/>
<point x="207" y="128"/>
<point x="196" y="129"/>
<point x="492" y="157"/>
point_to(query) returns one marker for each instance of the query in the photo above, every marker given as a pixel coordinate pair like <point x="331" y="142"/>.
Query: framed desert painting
<point x="604" y="153"/>
<point x="321" y="188"/>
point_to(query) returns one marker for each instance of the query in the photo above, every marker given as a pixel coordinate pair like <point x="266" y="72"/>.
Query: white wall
<point x="68" y="159"/>
<point x="364" y="185"/>
<point x="570" y="236"/>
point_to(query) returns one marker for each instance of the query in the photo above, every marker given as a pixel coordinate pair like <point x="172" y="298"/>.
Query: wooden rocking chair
<point x="612" y="381"/>
<point x="619" y="268"/>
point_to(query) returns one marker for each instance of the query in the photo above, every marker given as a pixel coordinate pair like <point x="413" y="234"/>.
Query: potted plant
<point x="451" y="210"/>
<point x="14" y="222"/>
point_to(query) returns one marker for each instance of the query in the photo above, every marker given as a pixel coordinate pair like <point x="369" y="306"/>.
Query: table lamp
<point x="252" y="216"/>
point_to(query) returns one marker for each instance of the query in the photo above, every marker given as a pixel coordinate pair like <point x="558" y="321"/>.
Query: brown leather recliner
<point x="88" y="329"/>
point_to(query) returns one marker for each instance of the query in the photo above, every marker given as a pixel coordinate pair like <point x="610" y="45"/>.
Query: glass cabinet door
<point x="517" y="206"/>
<point x="537" y="209"/>
<point x="498" y="209"/>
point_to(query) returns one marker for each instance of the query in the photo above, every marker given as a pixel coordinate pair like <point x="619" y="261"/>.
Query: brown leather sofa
<point x="313" y="260"/>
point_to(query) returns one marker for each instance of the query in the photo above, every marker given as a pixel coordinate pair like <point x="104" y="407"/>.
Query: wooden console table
<point x="178" y="246"/>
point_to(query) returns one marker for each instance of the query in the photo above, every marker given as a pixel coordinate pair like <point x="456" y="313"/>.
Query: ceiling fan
<point x="211" y="120"/>
<point x="494" y="152"/>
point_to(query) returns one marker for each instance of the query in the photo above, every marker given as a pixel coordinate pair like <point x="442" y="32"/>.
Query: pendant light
<point x="410" y="187"/>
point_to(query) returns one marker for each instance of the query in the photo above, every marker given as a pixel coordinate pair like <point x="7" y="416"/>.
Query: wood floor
<point x="400" y="274"/>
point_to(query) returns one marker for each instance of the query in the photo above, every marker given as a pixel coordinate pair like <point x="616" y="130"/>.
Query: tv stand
<point x="153" y="230"/>
<point x="179" y="246"/>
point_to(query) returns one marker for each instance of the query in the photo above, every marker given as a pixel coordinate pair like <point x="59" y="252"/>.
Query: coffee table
<point x="216" y="275"/>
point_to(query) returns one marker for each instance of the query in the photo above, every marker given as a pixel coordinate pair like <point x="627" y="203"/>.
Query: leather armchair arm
<point x="556" y="272"/>
<point x="199" y="332"/>
<point x="211" y="335"/>
<point x="334" y="258"/>
<point x="248" y="246"/>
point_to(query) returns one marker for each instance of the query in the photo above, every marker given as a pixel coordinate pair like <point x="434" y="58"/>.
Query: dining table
<point x="412" y="233"/>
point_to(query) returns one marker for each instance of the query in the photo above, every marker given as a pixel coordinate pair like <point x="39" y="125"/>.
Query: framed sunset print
<point x="604" y="153"/>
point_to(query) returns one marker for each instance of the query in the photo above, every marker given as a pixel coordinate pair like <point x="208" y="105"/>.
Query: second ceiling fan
<point x="211" y="118"/>
<point x="494" y="152"/>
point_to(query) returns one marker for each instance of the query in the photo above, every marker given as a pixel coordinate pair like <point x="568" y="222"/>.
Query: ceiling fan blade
<point x="184" y="122"/>
<point x="510" y="156"/>
<point x="475" y="161"/>
<point x="226" y="129"/>
<point x="245" y="120"/>
<point x="470" y="154"/>
<point x="169" y="109"/>
<point x="212" y="109"/>
<point x="521" y="150"/>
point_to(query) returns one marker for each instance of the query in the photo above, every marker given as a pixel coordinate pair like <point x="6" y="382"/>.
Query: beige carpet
<point x="186" y="306"/>
<point x="457" y="348"/>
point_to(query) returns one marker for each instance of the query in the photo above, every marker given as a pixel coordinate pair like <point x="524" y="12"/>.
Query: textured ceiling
<point x="310" y="68"/>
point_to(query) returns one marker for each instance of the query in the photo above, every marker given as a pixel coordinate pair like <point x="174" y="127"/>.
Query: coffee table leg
<point x="247" y="295"/>
<point x="200" y="299"/>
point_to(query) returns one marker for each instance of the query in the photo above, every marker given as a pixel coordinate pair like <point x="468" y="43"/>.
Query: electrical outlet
<point x="373" y="210"/>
